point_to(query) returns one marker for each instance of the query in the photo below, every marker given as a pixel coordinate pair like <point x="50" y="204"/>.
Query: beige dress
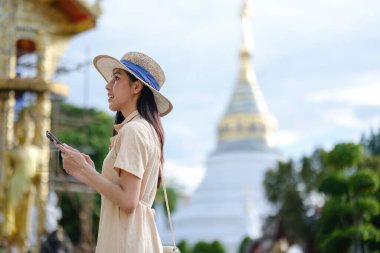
<point x="134" y="149"/>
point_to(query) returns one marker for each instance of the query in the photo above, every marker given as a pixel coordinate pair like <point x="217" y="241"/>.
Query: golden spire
<point x="247" y="123"/>
<point x="247" y="44"/>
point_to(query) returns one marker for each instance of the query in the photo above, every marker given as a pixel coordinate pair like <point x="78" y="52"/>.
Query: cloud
<point x="343" y="117"/>
<point x="284" y="138"/>
<point x="305" y="17"/>
<point x="287" y="27"/>
<point x="187" y="176"/>
<point x="364" y="91"/>
<point x="302" y="48"/>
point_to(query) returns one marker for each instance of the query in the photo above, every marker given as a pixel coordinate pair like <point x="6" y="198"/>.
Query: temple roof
<point x="78" y="12"/>
<point x="247" y="123"/>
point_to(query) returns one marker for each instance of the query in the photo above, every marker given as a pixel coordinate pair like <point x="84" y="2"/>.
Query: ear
<point x="138" y="87"/>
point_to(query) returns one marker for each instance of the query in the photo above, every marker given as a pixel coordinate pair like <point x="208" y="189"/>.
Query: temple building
<point x="34" y="35"/>
<point x="230" y="202"/>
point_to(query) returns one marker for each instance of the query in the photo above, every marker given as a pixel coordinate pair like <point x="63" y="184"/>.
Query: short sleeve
<point x="131" y="150"/>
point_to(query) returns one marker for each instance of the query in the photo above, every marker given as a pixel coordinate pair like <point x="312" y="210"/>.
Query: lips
<point x="110" y="97"/>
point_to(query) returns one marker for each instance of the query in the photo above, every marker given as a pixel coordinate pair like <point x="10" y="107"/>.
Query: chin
<point x="112" y="108"/>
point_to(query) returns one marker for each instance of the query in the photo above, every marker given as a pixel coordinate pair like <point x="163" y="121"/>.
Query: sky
<point x="317" y="63"/>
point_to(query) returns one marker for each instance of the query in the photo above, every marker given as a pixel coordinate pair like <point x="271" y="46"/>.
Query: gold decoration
<point x="42" y="29"/>
<point x="247" y="117"/>
<point x="245" y="126"/>
<point x="18" y="184"/>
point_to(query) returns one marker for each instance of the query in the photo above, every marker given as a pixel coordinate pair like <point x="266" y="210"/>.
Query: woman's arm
<point x="126" y="194"/>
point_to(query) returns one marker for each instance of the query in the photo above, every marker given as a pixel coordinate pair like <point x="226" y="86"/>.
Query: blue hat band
<point x="142" y="74"/>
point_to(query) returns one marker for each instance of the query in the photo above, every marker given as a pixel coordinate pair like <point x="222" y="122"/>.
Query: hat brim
<point x="105" y="64"/>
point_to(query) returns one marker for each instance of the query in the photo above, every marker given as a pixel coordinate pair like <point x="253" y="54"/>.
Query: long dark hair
<point x="147" y="108"/>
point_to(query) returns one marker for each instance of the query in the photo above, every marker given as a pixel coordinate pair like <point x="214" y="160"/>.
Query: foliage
<point x="364" y="182"/>
<point x="345" y="155"/>
<point x="351" y="203"/>
<point x="372" y="143"/>
<point x="287" y="186"/>
<point x="70" y="205"/>
<point x="349" y="180"/>
<point x="202" y="247"/>
<point x="172" y="194"/>
<point x="335" y="184"/>
<point x="95" y="128"/>
<point x="184" y="247"/>
<point x="244" y="244"/>
<point x="217" y="247"/>
<point x="205" y="247"/>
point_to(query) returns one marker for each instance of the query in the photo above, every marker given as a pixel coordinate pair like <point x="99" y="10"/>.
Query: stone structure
<point x="230" y="203"/>
<point x="34" y="35"/>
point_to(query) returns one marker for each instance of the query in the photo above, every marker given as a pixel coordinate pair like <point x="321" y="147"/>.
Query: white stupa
<point x="230" y="202"/>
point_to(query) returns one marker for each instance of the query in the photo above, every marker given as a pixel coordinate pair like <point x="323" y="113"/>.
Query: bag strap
<point x="167" y="207"/>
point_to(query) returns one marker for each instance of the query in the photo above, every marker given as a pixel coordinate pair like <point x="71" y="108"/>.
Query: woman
<point x="131" y="170"/>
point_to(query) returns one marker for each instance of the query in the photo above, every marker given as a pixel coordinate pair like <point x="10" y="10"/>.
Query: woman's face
<point x="122" y="92"/>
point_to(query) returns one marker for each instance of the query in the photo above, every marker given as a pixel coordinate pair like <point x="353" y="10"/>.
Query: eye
<point x="116" y="77"/>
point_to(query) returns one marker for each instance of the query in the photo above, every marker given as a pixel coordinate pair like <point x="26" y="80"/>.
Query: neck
<point x="130" y="107"/>
<point x="128" y="111"/>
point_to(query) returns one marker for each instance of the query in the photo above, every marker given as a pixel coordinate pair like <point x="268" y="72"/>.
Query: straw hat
<point x="143" y="68"/>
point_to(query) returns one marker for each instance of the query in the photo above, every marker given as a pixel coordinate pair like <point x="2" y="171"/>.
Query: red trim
<point x="25" y="46"/>
<point x="73" y="9"/>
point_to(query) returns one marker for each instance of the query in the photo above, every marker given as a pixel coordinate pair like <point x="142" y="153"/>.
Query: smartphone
<point x="52" y="138"/>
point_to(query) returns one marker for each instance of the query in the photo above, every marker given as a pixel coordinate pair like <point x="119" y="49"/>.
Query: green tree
<point x="351" y="204"/>
<point x="70" y="206"/>
<point x="201" y="247"/>
<point x="372" y="160"/>
<point x="184" y="247"/>
<point x="372" y="143"/>
<point x="205" y="247"/>
<point x="244" y="244"/>
<point x="288" y="187"/>
<point x="89" y="131"/>
<point x="172" y="193"/>
<point x="217" y="247"/>
<point x="347" y="178"/>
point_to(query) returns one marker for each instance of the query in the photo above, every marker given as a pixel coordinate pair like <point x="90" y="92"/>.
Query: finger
<point x="69" y="147"/>
<point x="64" y="149"/>
<point x="87" y="157"/>
<point x="60" y="147"/>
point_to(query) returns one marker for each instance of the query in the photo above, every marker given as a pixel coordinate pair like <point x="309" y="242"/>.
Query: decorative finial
<point x="247" y="43"/>
<point x="247" y="123"/>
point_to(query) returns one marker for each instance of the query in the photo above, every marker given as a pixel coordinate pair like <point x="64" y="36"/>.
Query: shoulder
<point x="137" y="128"/>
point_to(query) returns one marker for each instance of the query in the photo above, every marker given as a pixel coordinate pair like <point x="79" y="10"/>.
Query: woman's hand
<point x="75" y="163"/>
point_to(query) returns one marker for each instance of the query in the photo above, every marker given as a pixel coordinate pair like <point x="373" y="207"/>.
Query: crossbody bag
<point x="174" y="248"/>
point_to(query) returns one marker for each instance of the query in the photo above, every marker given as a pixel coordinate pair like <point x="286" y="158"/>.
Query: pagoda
<point x="230" y="202"/>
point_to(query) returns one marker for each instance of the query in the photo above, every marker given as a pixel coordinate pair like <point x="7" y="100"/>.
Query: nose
<point x="108" y="85"/>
